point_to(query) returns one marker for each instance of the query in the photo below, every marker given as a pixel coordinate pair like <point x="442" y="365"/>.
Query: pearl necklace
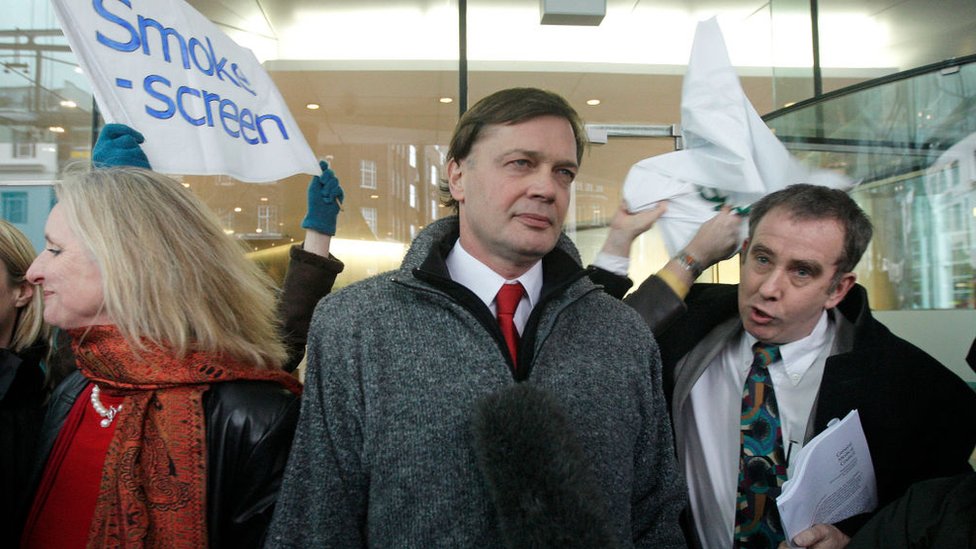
<point x="108" y="414"/>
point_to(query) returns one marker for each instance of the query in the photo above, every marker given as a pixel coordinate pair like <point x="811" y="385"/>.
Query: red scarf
<point x="154" y="481"/>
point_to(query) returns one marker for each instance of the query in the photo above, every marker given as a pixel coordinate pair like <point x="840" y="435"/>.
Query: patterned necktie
<point x="762" y="467"/>
<point x="506" y="302"/>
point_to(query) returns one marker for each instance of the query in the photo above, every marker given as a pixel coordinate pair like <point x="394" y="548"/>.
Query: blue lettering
<point x="247" y="122"/>
<point x="190" y="54"/>
<point x="170" y="108"/>
<point x="220" y="70"/>
<point x="196" y="45"/>
<point x="236" y="122"/>
<point x="224" y="116"/>
<point x="281" y="126"/>
<point x="209" y="98"/>
<point x="242" y="80"/>
<point x="180" y="92"/>
<point x="165" y="33"/>
<point x="132" y="44"/>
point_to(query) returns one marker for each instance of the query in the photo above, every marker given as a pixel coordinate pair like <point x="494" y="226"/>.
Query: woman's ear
<point x="25" y="291"/>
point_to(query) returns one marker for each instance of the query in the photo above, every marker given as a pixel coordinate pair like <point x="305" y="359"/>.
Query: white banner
<point x="730" y="156"/>
<point x="205" y="104"/>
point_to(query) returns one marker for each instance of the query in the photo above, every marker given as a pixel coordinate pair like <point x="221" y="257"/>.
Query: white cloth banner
<point x="730" y="154"/>
<point x="205" y="104"/>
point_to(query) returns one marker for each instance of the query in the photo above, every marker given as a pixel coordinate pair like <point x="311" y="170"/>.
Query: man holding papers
<point x="755" y="370"/>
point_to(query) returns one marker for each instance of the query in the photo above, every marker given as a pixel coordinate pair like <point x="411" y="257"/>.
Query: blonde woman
<point x="23" y="348"/>
<point x="175" y="429"/>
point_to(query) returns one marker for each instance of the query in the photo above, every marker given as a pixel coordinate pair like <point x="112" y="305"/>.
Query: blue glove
<point x="324" y="198"/>
<point x="118" y="145"/>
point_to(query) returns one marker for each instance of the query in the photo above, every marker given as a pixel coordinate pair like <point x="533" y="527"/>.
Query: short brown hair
<point x="808" y="202"/>
<point x="511" y="106"/>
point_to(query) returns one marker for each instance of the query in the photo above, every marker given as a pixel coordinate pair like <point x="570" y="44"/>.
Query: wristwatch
<point x="689" y="263"/>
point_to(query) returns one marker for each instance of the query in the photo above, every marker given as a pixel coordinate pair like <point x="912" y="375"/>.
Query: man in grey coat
<point x="437" y="414"/>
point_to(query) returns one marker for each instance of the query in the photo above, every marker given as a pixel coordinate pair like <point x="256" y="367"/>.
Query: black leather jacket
<point x="21" y="412"/>
<point x="250" y="425"/>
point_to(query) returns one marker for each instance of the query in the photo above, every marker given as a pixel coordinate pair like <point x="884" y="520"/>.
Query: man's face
<point x="513" y="192"/>
<point x="786" y="276"/>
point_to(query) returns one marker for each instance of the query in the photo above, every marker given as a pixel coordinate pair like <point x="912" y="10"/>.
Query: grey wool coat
<point x="385" y="455"/>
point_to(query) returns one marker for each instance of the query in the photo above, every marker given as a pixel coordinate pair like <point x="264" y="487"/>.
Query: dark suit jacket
<point x="919" y="418"/>
<point x="933" y="514"/>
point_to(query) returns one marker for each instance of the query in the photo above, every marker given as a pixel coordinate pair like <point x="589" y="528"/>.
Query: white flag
<point x="205" y="104"/>
<point x="730" y="155"/>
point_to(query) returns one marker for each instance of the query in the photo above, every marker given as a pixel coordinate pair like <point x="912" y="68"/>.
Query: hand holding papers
<point x="832" y="479"/>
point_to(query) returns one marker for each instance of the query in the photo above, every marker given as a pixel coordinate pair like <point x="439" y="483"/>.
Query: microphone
<point x="539" y="479"/>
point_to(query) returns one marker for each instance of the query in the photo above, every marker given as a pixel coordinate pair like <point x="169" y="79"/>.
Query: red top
<point x="64" y="504"/>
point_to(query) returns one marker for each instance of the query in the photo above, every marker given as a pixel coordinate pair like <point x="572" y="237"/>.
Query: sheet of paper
<point x="832" y="479"/>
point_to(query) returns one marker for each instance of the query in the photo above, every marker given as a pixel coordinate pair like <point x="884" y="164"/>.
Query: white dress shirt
<point x="614" y="263"/>
<point x="709" y="422"/>
<point x="467" y="271"/>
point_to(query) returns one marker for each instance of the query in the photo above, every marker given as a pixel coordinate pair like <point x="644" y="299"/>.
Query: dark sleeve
<point x="971" y="357"/>
<point x="21" y="413"/>
<point x="932" y="514"/>
<point x="309" y="278"/>
<point x="614" y="284"/>
<point x="250" y="426"/>
<point x="909" y="404"/>
<point x="852" y="525"/>
<point x="657" y="304"/>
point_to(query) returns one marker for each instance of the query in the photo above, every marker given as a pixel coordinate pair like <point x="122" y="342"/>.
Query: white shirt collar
<point x="467" y="271"/>
<point x="798" y="356"/>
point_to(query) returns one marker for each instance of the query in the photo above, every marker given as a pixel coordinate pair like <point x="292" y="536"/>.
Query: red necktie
<point x="506" y="302"/>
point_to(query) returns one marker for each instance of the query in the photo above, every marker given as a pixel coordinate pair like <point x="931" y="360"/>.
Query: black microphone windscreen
<point x="537" y="473"/>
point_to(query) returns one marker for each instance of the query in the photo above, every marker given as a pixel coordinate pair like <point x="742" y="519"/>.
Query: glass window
<point x="14" y="206"/>
<point x="367" y="174"/>
<point x="388" y="101"/>
<point x="369" y="215"/>
<point x="24" y="145"/>
<point x="909" y="145"/>
<point x="268" y="220"/>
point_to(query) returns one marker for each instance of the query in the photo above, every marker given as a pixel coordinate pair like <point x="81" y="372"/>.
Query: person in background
<point x="175" y="427"/>
<point x="798" y="304"/>
<point x="23" y="350"/>
<point x="485" y="302"/>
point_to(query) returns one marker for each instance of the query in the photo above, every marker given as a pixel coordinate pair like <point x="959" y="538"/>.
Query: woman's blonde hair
<point x="17" y="254"/>
<point x="170" y="275"/>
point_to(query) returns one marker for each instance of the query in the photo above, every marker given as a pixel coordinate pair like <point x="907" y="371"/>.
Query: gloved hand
<point x="324" y="198"/>
<point x="118" y="145"/>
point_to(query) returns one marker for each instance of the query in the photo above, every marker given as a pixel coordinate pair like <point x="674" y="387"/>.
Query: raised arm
<point x="660" y="298"/>
<point x="312" y="269"/>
